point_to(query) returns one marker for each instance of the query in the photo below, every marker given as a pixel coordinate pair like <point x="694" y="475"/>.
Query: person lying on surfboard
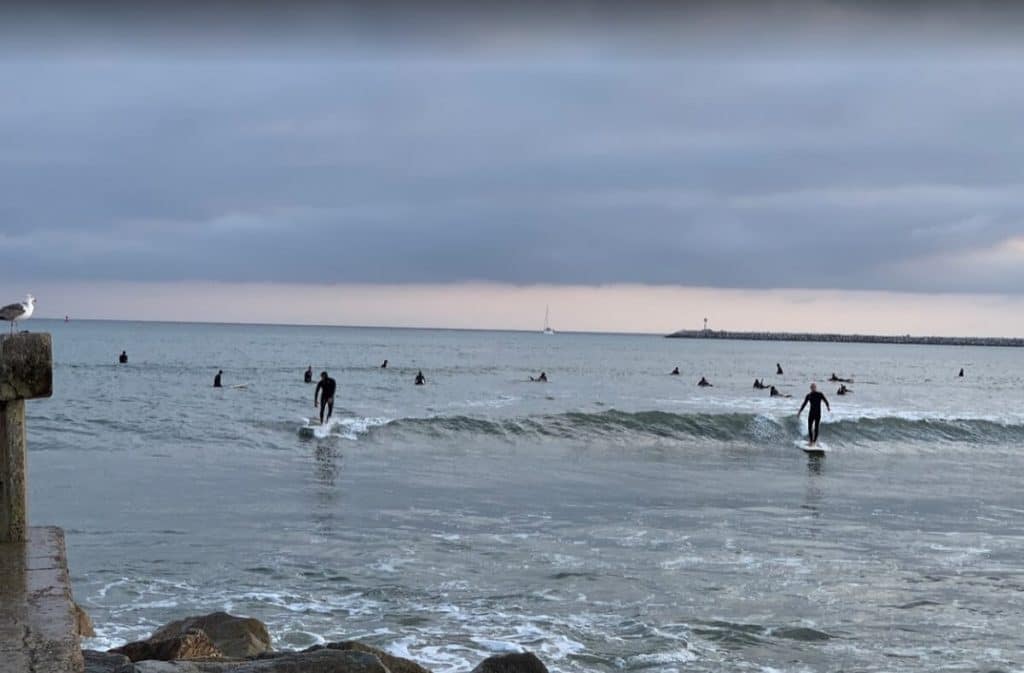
<point x="814" y="398"/>
<point x="704" y="383"/>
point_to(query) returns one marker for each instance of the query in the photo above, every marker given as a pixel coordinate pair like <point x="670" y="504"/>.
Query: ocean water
<point x="614" y="519"/>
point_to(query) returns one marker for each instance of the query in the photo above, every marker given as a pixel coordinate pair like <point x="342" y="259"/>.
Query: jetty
<point x="39" y="623"/>
<point x="1009" y="342"/>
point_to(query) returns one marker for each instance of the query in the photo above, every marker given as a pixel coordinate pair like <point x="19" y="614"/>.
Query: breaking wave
<point x="718" y="427"/>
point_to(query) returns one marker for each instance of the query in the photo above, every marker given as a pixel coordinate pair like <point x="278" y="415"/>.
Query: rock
<point x="83" y="622"/>
<point x="321" y="661"/>
<point x="393" y="663"/>
<point x="525" y="662"/>
<point x="104" y="662"/>
<point x="236" y="637"/>
<point x="194" y="644"/>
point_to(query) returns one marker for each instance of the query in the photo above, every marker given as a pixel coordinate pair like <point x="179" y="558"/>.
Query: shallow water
<point x="613" y="519"/>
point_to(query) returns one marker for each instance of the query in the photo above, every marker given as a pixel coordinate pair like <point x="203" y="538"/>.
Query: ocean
<point x="615" y="518"/>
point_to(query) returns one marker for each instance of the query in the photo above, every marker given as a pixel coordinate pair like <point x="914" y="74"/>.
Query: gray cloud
<point x="539" y="154"/>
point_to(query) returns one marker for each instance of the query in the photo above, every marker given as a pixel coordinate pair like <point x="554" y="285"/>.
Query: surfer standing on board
<point x="814" y="398"/>
<point x="325" y="390"/>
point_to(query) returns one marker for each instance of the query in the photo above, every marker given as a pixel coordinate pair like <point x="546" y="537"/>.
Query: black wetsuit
<point x="308" y="376"/>
<point x="814" y="415"/>
<point x="216" y="381"/>
<point x="123" y="358"/>
<point x="325" y="389"/>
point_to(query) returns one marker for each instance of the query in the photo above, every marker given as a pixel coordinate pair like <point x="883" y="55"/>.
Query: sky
<point x="800" y="166"/>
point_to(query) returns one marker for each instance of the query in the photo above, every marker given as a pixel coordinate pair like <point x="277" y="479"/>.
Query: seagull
<point x="20" y="311"/>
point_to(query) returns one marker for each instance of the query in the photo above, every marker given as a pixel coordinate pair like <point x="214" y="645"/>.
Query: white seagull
<point x="20" y="311"/>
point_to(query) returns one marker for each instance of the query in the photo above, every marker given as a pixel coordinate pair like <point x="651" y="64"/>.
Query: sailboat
<point x="547" y="324"/>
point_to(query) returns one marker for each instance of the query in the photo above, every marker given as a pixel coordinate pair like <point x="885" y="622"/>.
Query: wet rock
<point x="105" y="662"/>
<point x="322" y="661"/>
<point x="524" y="662"/>
<point x="83" y="622"/>
<point x="193" y="644"/>
<point x="235" y="637"/>
<point x="393" y="663"/>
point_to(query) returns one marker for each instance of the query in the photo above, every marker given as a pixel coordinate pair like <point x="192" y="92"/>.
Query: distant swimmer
<point x="216" y="379"/>
<point x="308" y="376"/>
<point x="543" y="378"/>
<point x="814" y="398"/>
<point x="384" y="365"/>
<point x="420" y="378"/>
<point x="839" y="379"/>
<point x="674" y="372"/>
<point x="778" y="369"/>
<point x="759" y="384"/>
<point x="123" y="357"/>
<point x="961" y="374"/>
<point x="843" y="390"/>
<point x="325" y="390"/>
<point x="774" y="392"/>
<point x="704" y="383"/>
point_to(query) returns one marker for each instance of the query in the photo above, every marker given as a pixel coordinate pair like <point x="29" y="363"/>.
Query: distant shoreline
<point x="1009" y="342"/>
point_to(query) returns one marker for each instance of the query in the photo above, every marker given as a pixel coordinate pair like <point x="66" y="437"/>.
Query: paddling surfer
<point x="325" y="390"/>
<point x="814" y="398"/>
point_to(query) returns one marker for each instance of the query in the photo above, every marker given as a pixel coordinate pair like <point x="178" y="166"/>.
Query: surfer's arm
<point x="802" y="407"/>
<point x="827" y="405"/>
<point x="316" y="393"/>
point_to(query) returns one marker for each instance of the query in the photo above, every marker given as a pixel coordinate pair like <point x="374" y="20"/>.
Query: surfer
<point x="325" y="390"/>
<point x="123" y="357"/>
<point x="778" y="369"/>
<point x="843" y="389"/>
<point x="674" y="372"/>
<point x="814" y="398"/>
<point x="308" y="376"/>
<point x="774" y="392"/>
<point x="216" y="379"/>
<point x="543" y="378"/>
<point x="961" y="374"/>
<point x="384" y="365"/>
<point x="704" y="383"/>
<point x="420" y="378"/>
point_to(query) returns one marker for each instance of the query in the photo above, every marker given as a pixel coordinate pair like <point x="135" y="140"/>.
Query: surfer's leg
<point x="810" y="429"/>
<point x="817" y="424"/>
<point x="323" y="403"/>
<point x="330" y="408"/>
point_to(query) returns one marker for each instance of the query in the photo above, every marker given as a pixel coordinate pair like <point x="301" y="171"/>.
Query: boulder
<point x="193" y="644"/>
<point x="393" y="663"/>
<point x="322" y="661"/>
<point x="105" y="662"/>
<point x="235" y="637"/>
<point x="83" y="623"/>
<point x="519" y="662"/>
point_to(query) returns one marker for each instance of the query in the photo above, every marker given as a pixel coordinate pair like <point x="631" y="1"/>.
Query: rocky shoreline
<point x="223" y="643"/>
<point x="848" y="338"/>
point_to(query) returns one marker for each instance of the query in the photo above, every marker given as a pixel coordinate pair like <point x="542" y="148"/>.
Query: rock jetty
<point x="223" y="643"/>
<point x="908" y="339"/>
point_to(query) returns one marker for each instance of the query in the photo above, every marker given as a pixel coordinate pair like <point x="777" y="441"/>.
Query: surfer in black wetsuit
<point x="420" y="378"/>
<point x="216" y="379"/>
<point x="814" y="398"/>
<point x="704" y="383"/>
<point x="325" y="390"/>
<point x="674" y="372"/>
<point x="308" y="376"/>
<point x="123" y="357"/>
<point x="778" y="369"/>
<point x="543" y="378"/>
<point x="961" y="375"/>
<point x="384" y="365"/>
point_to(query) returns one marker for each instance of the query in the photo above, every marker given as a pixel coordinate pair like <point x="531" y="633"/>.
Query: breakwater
<point x="1011" y="342"/>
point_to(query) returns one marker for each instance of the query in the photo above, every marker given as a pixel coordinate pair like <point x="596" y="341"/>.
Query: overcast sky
<point x="823" y="145"/>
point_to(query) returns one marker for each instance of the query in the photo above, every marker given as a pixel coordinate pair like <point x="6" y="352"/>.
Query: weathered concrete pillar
<point x="26" y="372"/>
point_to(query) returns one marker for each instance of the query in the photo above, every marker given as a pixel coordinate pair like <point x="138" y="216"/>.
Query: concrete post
<point x="26" y="372"/>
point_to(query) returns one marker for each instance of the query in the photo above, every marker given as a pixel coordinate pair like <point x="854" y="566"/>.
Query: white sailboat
<point x="547" y="324"/>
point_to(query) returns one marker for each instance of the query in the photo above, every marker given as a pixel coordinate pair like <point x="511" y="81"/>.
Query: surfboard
<point x="819" y="449"/>
<point x="239" y="386"/>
